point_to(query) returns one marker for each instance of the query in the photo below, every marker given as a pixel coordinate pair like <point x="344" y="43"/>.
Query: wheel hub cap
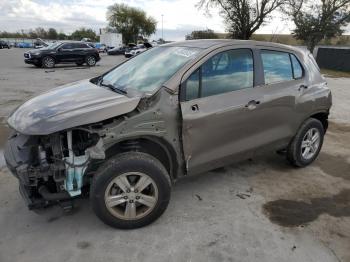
<point x="310" y="143"/>
<point x="131" y="196"/>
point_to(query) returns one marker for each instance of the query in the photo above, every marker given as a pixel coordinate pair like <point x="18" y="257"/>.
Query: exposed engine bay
<point x="53" y="168"/>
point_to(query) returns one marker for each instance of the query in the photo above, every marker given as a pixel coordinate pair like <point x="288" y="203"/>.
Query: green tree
<point x="202" y="34"/>
<point x="130" y="22"/>
<point x="40" y="32"/>
<point x="52" y="34"/>
<point x="316" y="20"/>
<point x="62" y="36"/>
<point x="84" y="33"/>
<point x="243" y="17"/>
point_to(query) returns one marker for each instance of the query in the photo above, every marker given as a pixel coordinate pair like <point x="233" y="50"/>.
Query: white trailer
<point x="111" y="39"/>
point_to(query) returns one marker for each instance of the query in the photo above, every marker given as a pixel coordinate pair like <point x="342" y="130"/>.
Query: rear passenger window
<point x="224" y="72"/>
<point x="79" y="45"/>
<point x="297" y="69"/>
<point x="277" y="66"/>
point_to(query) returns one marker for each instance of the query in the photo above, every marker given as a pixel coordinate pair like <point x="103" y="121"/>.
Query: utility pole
<point x="162" y="29"/>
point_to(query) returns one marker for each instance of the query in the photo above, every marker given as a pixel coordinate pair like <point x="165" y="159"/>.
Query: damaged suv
<point x="178" y="109"/>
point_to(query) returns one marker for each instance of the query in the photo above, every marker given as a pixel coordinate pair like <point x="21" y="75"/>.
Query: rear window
<point x="297" y="69"/>
<point x="277" y="66"/>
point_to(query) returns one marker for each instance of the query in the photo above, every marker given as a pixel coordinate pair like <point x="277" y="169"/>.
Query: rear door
<point x="284" y="86"/>
<point x="80" y="51"/>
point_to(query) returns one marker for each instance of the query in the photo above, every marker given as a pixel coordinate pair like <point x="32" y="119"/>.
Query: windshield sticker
<point x="186" y="52"/>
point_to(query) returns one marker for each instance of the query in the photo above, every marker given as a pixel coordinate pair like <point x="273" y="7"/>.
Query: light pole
<point x="162" y="29"/>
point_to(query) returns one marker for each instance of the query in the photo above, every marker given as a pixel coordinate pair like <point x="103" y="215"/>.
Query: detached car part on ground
<point x="63" y="52"/>
<point x="174" y="110"/>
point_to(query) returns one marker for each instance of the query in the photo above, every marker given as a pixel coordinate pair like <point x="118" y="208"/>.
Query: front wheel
<point x="48" y="62"/>
<point x="130" y="190"/>
<point x="307" y="143"/>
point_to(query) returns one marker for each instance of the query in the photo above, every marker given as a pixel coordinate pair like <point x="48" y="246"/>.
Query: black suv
<point x="62" y="52"/>
<point x="3" y="44"/>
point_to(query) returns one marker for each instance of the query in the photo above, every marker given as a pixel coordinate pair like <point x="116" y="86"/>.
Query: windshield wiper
<point x="113" y="88"/>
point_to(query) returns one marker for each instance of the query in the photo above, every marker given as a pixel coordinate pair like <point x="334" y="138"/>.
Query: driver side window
<point x="224" y="72"/>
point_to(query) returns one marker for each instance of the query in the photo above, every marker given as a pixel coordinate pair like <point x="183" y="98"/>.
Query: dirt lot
<point x="258" y="210"/>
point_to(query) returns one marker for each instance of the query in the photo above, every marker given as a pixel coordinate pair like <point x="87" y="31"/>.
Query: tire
<point x="90" y="60"/>
<point x="130" y="165"/>
<point x="48" y="62"/>
<point x="302" y="151"/>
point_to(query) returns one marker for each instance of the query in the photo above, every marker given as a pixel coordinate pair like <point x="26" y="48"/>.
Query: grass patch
<point x="334" y="73"/>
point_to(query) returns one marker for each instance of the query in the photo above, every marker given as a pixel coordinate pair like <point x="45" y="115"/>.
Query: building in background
<point x="110" y="38"/>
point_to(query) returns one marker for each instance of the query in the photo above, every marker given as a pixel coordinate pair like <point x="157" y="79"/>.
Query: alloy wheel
<point x="131" y="196"/>
<point x="310" y="143"/>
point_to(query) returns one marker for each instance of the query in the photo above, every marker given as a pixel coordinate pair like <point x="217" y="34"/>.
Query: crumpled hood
<point x="69" y="106"/>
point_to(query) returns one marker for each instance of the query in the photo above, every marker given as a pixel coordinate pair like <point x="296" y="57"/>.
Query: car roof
<point x="212" y="43"/>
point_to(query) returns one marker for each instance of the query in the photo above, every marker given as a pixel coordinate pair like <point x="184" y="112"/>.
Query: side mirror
<point x="59" y="49"/>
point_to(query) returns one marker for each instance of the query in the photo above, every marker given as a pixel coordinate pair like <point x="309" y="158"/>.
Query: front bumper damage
<point x="53" y="168"/>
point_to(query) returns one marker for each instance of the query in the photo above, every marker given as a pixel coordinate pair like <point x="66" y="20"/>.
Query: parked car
<point x="137" y="50"/>
<point x="178" y="109"/>
<point x="4" y="44"/>
<point x="102" y="48"/>
<point x="24" y="45"/>
<point x="117" y="50"/>
<point x="62" y="52"/>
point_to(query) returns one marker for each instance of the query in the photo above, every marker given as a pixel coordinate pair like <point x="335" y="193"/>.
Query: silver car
<point x="178" y="109"/>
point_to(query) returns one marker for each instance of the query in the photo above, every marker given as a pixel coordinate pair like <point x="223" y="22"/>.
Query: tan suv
<point x="174" y="110"/>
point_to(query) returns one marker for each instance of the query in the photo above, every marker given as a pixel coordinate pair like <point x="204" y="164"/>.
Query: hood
<point x="72" y="105"/>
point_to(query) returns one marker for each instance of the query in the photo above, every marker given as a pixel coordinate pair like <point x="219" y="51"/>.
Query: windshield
<point x="149" y="70"/>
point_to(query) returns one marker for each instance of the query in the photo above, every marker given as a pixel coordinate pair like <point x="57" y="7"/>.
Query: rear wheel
<point x="90" y="60"/>
<point x="307" y="143"/>
<point x="130" y="191"/>
<point x="48" y="62"/>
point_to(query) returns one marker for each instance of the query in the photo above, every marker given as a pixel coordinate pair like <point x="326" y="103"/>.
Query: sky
<point x="180" y="17"/>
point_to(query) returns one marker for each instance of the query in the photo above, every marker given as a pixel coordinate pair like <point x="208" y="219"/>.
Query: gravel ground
<point x="258" y="210"/>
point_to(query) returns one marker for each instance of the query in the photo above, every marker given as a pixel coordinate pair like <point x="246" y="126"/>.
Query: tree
<point x="84" y="33"/>
<point x="318" y="19"/>
<point x="202" y="34"/>
<point x="130" y="22"/>
<point x="52" y="34"/>
<point x="243" y="17"/>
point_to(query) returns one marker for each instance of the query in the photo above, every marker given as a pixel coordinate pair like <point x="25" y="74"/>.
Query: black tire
<point x="121" y="165"/>
<point x="90" y="60"/>
<point x="48" y="62"/>
<point x="294" y="151"/>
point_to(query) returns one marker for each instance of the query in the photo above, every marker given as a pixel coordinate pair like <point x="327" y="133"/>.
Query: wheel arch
<point x="322" y="116"/>
<point x="154" y="146"/>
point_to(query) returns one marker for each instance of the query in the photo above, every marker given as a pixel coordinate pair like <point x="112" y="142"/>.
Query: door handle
<point x="194" y="107"/>
<point x="252" y="104"/>
<point x="302" y="87"/>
